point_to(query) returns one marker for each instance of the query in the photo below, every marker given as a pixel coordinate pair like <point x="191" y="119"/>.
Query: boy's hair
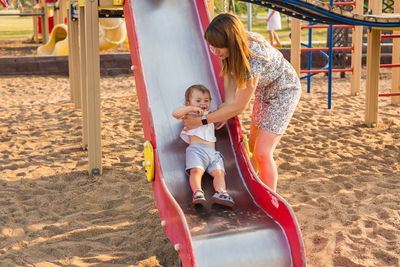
<point x="198" y="87"/>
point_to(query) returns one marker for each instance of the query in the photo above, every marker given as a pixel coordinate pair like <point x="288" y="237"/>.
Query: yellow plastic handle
<point x="118" y="2"/>
<point x="246" y="143"/>
<point x="148" y="162"/>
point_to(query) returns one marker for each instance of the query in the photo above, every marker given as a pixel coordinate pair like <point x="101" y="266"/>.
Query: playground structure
<point x="50" y="16"/>
<point x="320" y="12"/>
<point x="57" y="44"/>
<point x="45" y="14"/>
<point x="253" y="234"/>
<point x="373" y="66"/>
<point x="261" y="227"/>
<point x="112" y="32"/>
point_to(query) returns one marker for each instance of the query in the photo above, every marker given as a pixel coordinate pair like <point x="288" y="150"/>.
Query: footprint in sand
<point x="386" y="258"/>
<point x="344" y="261"/>
<point x="319" y="243"/>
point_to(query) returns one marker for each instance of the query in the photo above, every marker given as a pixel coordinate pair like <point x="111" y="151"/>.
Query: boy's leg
<point x="219" y="180"/>
<point x="221" y="196"/>
<point x="195" y="178"/>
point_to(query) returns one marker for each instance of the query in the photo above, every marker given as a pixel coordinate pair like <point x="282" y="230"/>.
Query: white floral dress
<point x="278" y="90"/>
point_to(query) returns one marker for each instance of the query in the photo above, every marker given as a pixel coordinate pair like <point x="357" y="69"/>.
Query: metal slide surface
<point x="172" y="54"/>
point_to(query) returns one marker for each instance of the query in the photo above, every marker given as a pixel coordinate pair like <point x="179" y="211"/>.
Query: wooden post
<point x="396" y="60"/>
<point x="70" y="70"/>
<point x="295" y="51"/>
<point x="45" y="23"/>
<point x="356" y="57"/>
<point x="373" y="62"/>
<point x="83" y="88"/>
<point x="93" y="85"/>
<point x="210" y="5"/>
<point x="73" y="57"/>
<point x="61" y="13"/>
<point x="35" y="36"/>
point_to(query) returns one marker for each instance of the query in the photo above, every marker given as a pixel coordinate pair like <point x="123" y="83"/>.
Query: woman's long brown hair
<point x="227" y="31"/>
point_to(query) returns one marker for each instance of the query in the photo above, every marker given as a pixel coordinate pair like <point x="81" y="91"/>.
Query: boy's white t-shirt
<point x="205" y="132"/>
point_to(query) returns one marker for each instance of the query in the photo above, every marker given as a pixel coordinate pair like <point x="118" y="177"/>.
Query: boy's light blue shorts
<point x="203" y="157"/>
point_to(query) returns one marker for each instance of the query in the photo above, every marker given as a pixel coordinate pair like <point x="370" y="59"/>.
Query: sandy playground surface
<point x="341" y="178"/>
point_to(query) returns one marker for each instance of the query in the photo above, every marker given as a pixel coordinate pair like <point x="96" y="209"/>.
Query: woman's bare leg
<point x="271" y="37"/>
<point x="264" y="146"/>
<point x="276" y="38"/>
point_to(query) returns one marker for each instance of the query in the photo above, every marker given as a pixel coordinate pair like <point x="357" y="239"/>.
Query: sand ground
<point x="341" y="178"/>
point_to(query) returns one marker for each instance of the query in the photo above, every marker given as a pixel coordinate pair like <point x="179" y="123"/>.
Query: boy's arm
<point x="178" y="113"/>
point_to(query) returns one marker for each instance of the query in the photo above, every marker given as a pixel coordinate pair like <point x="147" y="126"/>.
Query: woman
<point x="250" y="66"/>
<point x="273" y="24"/>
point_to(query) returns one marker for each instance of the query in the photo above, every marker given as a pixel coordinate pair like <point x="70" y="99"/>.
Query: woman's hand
<point x="198" y="110"/>
<point x="191" y="121"/>
<point x="220" y="124"/>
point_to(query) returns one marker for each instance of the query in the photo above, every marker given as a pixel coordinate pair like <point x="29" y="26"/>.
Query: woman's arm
<point x="229" y="89"/>
<point x="180" y="112"/>
<point x="229" y="109"/>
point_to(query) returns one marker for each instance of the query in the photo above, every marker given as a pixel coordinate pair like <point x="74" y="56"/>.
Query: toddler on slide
<point x="201" y="155"/>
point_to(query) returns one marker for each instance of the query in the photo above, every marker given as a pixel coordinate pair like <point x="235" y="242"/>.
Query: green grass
<point x="260" y="26"/>
<point x="15" y="26"/>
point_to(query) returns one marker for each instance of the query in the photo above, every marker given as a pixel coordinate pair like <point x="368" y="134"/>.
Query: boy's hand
<point x="198" y="110"/>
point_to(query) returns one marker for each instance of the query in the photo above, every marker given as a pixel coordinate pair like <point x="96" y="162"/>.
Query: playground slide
<point x="112" y="32"/>
<point x="169" y="54"/>
<point x="57" y="44"/>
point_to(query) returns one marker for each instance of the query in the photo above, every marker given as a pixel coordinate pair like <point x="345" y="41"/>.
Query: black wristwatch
<point x="204" y="120"/>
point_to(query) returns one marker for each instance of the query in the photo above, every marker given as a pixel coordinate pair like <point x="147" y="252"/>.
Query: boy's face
<point x="200" y="99"/>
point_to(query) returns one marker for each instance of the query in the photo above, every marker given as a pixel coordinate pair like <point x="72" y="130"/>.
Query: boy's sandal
<point x="198" y="197"/>
<point x="223" y="198"/>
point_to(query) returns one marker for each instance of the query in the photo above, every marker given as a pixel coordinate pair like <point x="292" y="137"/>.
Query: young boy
<point x="201" y="155"/>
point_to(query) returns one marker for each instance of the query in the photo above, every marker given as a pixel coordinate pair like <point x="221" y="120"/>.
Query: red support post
<point x="326" y="48"/>
<point x="382" y="66"/>
<point x="390" y="94"/>
<point x="390" y="36"/>
<point x="324" y="71"/>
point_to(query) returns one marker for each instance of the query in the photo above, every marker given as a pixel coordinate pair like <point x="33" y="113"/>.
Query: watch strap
<point x="204" y="120"/>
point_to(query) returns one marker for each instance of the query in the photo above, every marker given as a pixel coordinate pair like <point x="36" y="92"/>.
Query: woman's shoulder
<point x="257" y="44"/>
<point x="256" y="36"/>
